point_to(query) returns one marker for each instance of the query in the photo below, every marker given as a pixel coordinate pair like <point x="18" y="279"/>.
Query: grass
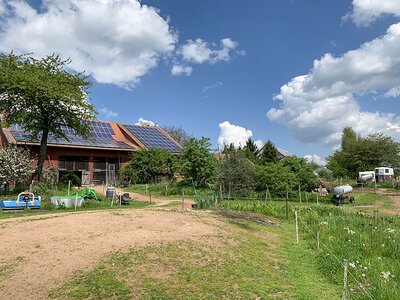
<point x="158" y="190"/>
<point x="249" y="261"/>
<point x="369" y="242"/>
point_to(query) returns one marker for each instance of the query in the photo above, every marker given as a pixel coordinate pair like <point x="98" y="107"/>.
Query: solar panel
<point x="151" y="137"/>
<point x="102" y="134"/>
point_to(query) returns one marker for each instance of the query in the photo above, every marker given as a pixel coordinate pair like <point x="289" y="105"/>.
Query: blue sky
<point x="215" y="67"/>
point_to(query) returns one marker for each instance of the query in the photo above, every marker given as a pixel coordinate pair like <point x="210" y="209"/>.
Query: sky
<point x="295" y="72"/>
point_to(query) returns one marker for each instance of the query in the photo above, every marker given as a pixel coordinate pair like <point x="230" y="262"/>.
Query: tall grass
<point x="370" y="243"/>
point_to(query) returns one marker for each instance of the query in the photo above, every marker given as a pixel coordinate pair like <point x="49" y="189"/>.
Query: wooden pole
<point x="112" y="199"/>
<point x="183" y="198"/>
<point x="120" y="199"/>
<point x="166" y="190"/>
<point x="317" y="200"/>
<point x="297" y="228"/>
<point x="299" y="193"/>
<point x="150" y="193"/>
<point x="220" y="192"/>
<point x="287" y="203"/>
<point x="76" y="199"/>
<point x="318" y="240"/>
<point x="306" y="197"/>
<point x="69" y="186"/>
<point x="345" y="280"/>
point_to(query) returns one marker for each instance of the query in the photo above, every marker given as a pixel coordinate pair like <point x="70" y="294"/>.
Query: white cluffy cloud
<point x="199" y="51"/>
<point x="178" y="69"/>
<point x="108" y="113"/>
<point x="316" y="159"/>
<point x="116" y="41"/>
<point x="315" y="107"/>
<point x="367" y="11"/>
<point x="144" y="122"/>
<point x="236" y="135"/>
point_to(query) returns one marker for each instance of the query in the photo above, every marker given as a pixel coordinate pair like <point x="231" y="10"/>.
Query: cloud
<point x="108" y="113"/>
<point x="367" y="11"/>
<point x="316" y="159"/>
<point x="315" y="107"/>
<point x="212" y="86"/>
<point x="393" y="92"/>
<point x="116" y="42"/>
<point x="199" y="51"/>
<point x="179" y="69"/>
<point x="144" y="122"/>
<point x="259" y="144"/>
<point x="233" y="134"/>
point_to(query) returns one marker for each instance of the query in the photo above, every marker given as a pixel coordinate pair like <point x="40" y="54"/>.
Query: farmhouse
<point x="95" y="160"/>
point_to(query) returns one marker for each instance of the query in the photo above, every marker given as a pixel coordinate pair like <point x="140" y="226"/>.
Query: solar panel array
<point x="151" y="137"/>
<point x="102" y="134"/>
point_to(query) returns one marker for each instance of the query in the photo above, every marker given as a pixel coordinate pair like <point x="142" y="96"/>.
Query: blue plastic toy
<point x="24" y="200"/>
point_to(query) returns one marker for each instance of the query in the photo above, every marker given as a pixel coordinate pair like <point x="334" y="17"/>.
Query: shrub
<point x="75" y="180"/>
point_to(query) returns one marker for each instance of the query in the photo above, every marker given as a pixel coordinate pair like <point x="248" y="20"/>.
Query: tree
<point x="269" y="153"/>
<point x="292" y="172"/>
<point x="363" y="154"/>
<point x="43" y="98"/>
<point x="178" y="134"/>
<point x="236" y="173"/>
<point x="303" y="171"/>
<point x="251" y="150"/>
<point x="15" y="164"/>
<point x="197" y="162"/>
<point x="148" y="164"/>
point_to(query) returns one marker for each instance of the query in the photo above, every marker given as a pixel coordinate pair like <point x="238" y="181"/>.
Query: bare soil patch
<point x="247" y="216"/>
<point x="45" y="250"/>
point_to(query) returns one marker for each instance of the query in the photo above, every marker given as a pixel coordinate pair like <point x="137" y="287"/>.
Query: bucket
<point x="110" y="193"/>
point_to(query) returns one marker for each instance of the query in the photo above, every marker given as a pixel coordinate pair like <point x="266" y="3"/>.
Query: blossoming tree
<point x="15" y="164"/>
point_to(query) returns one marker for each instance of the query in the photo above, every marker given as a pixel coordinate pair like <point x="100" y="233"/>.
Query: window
<point x="386" y="170"/>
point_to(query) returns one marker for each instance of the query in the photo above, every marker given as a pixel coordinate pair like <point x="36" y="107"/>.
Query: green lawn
<point x="250" y="261"/>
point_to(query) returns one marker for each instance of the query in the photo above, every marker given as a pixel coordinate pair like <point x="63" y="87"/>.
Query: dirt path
<point x="394" y="198"/>
<point x="140" y="197"/>
<point x="39" y="252"/>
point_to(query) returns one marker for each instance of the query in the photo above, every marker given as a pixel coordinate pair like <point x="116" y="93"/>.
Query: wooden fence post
<point x="69" y="186"/>
<point x="166" y="190"/>
<point x="150" y="193"/>
<point x="297" y="228"/>
<point x="318" y="240"/>
<point x="287" y="203"/>
<point x="299" y="193"/>
<point x="220" y="192"/>
<point x="183" y="198"/>
<point x="345" y="280"/>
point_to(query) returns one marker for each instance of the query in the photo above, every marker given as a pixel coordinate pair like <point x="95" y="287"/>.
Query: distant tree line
<point x="358" y="154"/>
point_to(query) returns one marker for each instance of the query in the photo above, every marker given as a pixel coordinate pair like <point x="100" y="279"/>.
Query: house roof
<point x="105" y="135"/>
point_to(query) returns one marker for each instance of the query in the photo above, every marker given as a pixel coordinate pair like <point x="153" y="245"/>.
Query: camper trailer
<point x="384" y="174"/>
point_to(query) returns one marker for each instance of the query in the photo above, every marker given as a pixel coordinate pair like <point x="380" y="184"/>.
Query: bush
<point x="75" y="180"/>
<point x="205" y="200"/>
<point x="41" y="189"/>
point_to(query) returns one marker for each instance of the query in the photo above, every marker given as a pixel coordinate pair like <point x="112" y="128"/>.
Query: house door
<point x="111" y="174"/>
<point x="85" y="177"/>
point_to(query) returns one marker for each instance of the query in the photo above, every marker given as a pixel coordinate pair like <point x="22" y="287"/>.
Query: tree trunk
<point x="42" y="155"/>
